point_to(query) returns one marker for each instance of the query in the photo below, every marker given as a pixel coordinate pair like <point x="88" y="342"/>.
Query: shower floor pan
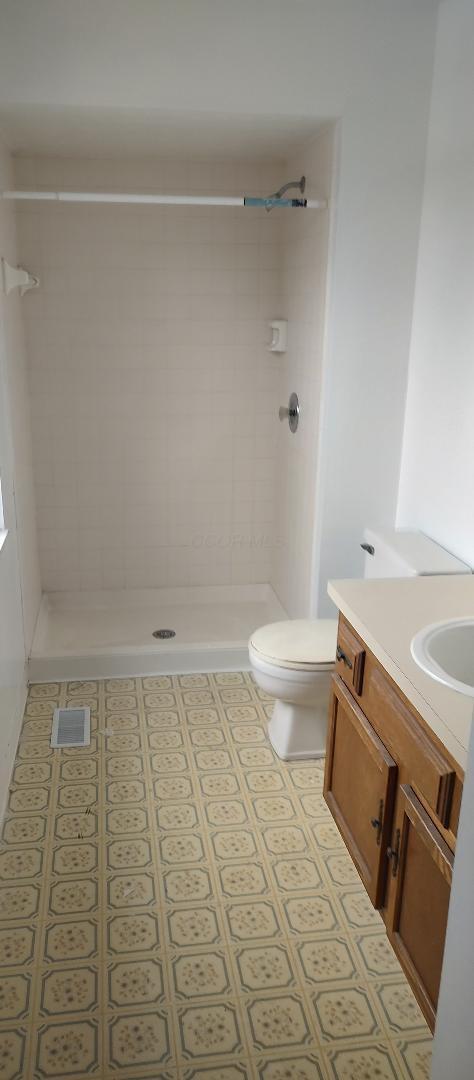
<point x="94" y="635"/>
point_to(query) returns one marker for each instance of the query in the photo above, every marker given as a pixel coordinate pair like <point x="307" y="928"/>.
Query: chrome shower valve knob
<point x="291" y="412"/>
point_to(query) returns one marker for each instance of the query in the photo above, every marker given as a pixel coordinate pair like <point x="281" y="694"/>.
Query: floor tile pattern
<point x="176" y="902"/>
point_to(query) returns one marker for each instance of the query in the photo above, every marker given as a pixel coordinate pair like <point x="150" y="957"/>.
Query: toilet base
<point x="298" y="731"/>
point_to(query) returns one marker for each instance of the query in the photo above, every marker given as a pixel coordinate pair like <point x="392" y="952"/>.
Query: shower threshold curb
<point x="163" y="660"/>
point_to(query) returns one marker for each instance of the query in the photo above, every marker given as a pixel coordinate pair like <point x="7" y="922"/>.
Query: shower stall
<point x="175" y="512"/>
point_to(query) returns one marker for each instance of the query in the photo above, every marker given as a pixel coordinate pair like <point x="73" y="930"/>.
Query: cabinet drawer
<point x="428" y="770"/>
<point x="350" y="658"/>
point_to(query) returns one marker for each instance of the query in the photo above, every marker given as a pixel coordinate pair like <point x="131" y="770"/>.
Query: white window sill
<point x="3" y="536"/>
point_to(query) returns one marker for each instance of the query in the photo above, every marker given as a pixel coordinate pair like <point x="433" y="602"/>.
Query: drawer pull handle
<point x="369" y="548"/>
<point x="342" y="656"/>
<point x="394" y="853"/>
<point x="377" y="822"/>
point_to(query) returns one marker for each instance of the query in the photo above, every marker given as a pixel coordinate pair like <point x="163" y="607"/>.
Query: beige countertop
<point x="387" y="613"/>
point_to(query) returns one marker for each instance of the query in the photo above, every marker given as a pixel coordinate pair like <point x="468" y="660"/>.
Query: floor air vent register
<point x="71" y="727"/>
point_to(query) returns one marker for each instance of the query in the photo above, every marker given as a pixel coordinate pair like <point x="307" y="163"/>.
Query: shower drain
<point x="164" y="633"/>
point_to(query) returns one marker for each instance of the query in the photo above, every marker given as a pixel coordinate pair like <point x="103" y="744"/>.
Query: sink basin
<point x="445" y="650"/>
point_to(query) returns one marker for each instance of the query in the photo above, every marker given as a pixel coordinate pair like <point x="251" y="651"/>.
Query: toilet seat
<point x="296" y="644"/>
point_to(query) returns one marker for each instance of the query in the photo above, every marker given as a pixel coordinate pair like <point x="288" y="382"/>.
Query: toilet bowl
<point x="293" y="661"/>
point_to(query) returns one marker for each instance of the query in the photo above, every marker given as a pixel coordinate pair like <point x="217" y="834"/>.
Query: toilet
<point x="293" y="660"/>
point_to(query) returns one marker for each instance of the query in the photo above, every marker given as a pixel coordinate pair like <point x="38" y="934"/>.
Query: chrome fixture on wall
<point x="279" y="195"/>
<point x="291" y="412"/>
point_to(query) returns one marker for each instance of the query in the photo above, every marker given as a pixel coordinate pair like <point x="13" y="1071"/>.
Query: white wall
<point x="19" y="576"/>
<point x="367" y="61"/>
<point x="371" y="282"/>
<point x="437" y="475"/>
<point x="304" y="265"/>
<point x="154" y="399"/>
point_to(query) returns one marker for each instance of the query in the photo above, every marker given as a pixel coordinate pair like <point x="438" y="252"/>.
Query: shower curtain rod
<point x="163" y="200"/>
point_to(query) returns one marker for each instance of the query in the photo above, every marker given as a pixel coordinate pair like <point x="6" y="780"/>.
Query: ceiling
<point x="70" y="131"/>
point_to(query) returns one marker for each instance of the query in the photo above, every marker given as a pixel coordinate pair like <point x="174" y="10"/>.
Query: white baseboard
<point x="9" y="748"/>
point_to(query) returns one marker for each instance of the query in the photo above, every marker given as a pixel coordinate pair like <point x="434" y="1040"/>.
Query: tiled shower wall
<point x="305" y="240"/>
<point x="19" y="571"/>
<point x="154" y="398"/>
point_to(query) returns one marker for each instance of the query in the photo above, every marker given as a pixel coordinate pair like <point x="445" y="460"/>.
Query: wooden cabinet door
<point x="359" y="788"/>
<point x="419" y="898"/>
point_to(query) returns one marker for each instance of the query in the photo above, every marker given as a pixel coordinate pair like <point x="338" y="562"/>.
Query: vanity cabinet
<point x="417" y="909"/>
<point x="360" y="787"/>
<point x="394" y="793"/>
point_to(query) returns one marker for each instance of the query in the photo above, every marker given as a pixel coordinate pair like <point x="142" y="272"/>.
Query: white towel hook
<point x="14" y="277"/>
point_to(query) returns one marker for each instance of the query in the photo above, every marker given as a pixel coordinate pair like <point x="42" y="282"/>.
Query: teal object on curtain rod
<point x="270" y="203"/>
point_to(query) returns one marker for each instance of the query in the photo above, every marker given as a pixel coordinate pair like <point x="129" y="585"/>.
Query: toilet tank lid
<point x="420" y="554"/>
<point x="297" y="641"/>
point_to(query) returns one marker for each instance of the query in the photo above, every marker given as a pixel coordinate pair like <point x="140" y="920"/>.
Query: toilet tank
<point x="406" y="553"/>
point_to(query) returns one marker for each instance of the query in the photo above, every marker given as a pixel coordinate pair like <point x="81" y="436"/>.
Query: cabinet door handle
<point x="393" y="853"/>
<point x="340" y="655"/>
<point x="369" y="548"/>
<point x="377" y="822"/>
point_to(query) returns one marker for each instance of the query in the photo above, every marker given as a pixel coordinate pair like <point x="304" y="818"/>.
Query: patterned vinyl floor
<point x="176" y="902"/>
